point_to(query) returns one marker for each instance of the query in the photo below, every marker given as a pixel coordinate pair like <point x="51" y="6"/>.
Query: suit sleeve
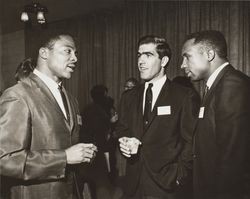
<point x="232" y="120"/>
<point x="189" y="117"/>
<point x="122" y="128"/>
<point x="17" y="160"/>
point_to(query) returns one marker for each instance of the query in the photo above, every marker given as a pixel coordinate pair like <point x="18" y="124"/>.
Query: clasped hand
<point x="81" y="153"/>
<point x="129" y="146"/>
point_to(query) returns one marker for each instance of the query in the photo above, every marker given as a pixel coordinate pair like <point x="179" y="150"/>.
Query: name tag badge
<point x="79" y="119"/>
<point x="201" y="113"/>
<point x="164" y="110"/>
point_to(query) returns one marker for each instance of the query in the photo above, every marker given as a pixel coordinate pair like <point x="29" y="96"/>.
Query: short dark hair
<point x="211" y="38"/>
<point x="49" y="42"/>
<point x="162" y="47"/>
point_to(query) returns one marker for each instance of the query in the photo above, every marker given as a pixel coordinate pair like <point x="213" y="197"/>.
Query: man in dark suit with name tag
<point x="39" y="128"/>
<point x="221" y="140"/>
<point x="156" y="122"/>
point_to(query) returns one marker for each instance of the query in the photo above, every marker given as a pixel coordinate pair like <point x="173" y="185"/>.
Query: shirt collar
<point x="212" y="77"/>
<point x="47" y="80"/>
<point x="158" y="83"/>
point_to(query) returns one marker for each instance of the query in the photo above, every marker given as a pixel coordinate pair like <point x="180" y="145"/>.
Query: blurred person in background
<point x="98" y="119"/>
<point x="130" y="83"/>
<point x="24" y="69"/>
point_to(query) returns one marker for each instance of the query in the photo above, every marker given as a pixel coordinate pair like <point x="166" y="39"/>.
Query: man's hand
<point x="80" y="153"/>
<point x="129" y="146"/>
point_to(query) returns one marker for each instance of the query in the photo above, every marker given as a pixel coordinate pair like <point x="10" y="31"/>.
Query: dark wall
<point x="107" y="41"/>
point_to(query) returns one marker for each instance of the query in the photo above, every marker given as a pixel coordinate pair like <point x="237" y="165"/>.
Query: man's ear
<point x="210" y="55"/>
<point x="164" y="61"/>
<point x="43" y="53"/>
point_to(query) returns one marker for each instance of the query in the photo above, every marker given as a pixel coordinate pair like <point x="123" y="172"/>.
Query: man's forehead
<point x="189" y="45"/>
<point x="147" y="47"/>
<point x="66" y="41"/>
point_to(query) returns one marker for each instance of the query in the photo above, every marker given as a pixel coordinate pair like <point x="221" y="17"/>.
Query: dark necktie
<point x="65" y="104"/>
<point x="148" y="104"/>
<point x="206" y="89"/>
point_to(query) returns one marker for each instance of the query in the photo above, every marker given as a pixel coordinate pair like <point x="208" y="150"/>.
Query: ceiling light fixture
<point x="37" y="9"/>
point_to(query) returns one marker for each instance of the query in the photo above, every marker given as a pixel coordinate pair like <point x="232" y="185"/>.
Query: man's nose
<point x="183" y="65"/>
<point x="74" y="57"/>
<point x="140" y="60"/>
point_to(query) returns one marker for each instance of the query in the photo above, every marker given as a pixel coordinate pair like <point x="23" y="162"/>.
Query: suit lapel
<point x="70" y="105"/>
<point x="161" y="100"/>
<point x="217" y="80"/>
<point x="208" y="96"/>
<point x="45" y="91"/>
<point x="139" y="110"/>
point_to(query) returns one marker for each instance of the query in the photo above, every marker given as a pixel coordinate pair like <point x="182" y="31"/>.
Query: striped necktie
<point x="148" y="104"/>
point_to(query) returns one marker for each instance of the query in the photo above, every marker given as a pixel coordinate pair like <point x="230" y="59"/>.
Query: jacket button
<point x="194" y="156"/>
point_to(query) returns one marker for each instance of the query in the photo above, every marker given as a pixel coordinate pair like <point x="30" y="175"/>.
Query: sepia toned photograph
<point x="124" y="99"/>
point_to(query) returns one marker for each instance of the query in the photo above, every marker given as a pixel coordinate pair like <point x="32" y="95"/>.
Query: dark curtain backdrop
<point x="107" y="41"/>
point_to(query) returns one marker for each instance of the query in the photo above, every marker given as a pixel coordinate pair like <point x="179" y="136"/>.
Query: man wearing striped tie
<point x="156" y="122"/>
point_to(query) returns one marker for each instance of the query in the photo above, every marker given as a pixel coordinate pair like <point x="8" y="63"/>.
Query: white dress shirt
<point x="53" y="87"/>
<point x="156" y="89"/>
<point x="212" y="77"/>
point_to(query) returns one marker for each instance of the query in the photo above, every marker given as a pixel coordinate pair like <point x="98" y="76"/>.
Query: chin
<point x="145" y="78"/>
<point x="67" y="76"/>
<point x="193" y="78"/>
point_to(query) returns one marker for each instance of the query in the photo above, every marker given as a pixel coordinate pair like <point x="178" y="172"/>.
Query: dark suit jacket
<point x="221" y="164"/>
<point x="166" y="148"/>
<point x="33" y="137"/>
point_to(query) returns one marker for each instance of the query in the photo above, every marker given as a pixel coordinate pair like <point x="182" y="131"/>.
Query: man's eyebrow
<point x="145" y="53"/>
<point x="184" y="54"/>
<point x="69" y="46"/>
